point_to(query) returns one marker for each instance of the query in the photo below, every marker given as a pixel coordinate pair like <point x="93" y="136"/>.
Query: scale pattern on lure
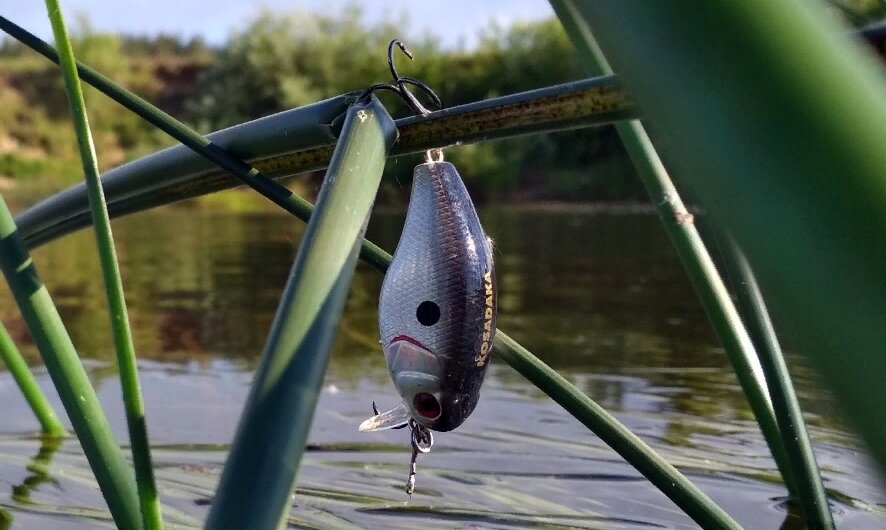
<point x="437" y="306"/>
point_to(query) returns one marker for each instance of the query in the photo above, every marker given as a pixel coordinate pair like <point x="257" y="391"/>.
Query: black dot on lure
<point x="428" y="313"/>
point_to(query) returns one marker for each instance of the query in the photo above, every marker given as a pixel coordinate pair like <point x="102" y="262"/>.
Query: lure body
<point x="437" y="305"/>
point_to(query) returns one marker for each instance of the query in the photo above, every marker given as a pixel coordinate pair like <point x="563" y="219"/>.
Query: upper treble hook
<point x="400" y="82"/>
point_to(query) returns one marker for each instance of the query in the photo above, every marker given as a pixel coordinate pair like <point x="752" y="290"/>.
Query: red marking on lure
<point x="410" y="340"/>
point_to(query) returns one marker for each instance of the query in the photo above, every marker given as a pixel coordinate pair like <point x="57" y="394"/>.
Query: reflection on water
<point x="601" y="297"/>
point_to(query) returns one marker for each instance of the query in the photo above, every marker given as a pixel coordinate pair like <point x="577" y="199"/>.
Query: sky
<point x="456" y="22"/>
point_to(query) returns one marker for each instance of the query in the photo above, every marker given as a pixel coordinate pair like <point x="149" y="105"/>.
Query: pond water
<point x="599" y="296"/>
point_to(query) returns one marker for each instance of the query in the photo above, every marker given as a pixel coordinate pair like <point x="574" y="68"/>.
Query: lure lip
<point x="395" y="418"/>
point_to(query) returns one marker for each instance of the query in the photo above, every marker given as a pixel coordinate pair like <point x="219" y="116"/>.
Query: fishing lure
<point x="437" y="308"/>
<point x="438" y="300"/>
<point x="437" y="305"/>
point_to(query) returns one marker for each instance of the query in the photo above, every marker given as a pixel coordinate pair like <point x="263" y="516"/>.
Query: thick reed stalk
<point x="27" y="383"/>
<point x="126" y="360"/>
<point x="690" y="248"/>
<point x="257" y="483"/>
<point x="579" y="104"/>
<point x="90" y="424"/>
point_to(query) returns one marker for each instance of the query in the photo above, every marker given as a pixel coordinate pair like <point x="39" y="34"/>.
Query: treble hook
<point x="400" y="82"/>
<point x="422" y="440"/>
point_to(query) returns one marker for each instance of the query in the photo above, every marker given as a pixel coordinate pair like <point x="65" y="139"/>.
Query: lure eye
<point x="428" y="313"/>
<point x="427" y="405"/>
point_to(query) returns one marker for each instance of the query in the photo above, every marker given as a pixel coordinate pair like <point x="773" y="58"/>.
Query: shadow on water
<point x="601" y="297"/>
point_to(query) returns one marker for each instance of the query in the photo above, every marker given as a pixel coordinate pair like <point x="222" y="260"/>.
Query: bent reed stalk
<point x="586" y="103"/>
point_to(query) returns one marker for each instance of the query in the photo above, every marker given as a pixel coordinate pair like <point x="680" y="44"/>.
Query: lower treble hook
<point x="422" y="440"/>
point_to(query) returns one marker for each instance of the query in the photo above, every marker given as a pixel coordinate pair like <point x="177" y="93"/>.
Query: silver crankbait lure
<point x="437" y="310"/>
<point x="437" y="303"/>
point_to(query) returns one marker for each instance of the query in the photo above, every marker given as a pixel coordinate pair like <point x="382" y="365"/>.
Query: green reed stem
<point x="257" y="483"/>
<point x="69" y="377"/>
<point x="126" y="360"/>
<point x="27" y="383"/>
<point x="690" y="248"/>
<point x="793" y="170"/>
<point x="811" y="493"/>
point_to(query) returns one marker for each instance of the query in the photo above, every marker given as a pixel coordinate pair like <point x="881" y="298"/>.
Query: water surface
<point x="599" y="296"/>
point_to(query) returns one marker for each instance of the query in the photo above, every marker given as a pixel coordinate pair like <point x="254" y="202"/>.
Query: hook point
<point x="402" y="47"/>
